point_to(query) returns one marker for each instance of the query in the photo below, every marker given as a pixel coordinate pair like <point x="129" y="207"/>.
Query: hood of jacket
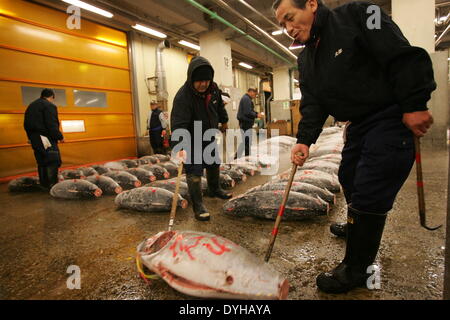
<point x="196" y="63"/>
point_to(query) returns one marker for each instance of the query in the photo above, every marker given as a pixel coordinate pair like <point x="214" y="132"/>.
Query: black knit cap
<point x="202" y="73"/>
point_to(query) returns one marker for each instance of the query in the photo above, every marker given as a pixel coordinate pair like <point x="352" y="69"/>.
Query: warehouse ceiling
<point x="181" y="20"/>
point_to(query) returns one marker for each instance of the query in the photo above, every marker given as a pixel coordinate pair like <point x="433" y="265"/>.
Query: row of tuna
<point x="313" y="189"/>
<point x="112" y="178"/>
<point x="157" y="196"/>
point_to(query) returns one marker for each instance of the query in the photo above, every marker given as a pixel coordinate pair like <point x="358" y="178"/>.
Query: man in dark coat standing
<point x="42" y="126"/>
<point x="369" y="74"/>
<point x="246" y="117"/>
<point x="156" y="126"/>
<point x="198" y="107"/>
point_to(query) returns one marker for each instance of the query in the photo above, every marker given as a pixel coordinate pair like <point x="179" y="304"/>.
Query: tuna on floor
<point x="75" y="189"/>
<point x="209" y="266"/>
<point x="265" y="205"/>
<point x="148" y="199"/>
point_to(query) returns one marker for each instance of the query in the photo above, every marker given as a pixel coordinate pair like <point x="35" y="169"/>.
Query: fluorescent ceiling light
<point x="245" y="65"/>
<point x="296" y="47"/>
<point x="190" y="45"/>
<point x="149" y="31"/>
<point x="277" y="32"/>
<point x="89" y="7"/>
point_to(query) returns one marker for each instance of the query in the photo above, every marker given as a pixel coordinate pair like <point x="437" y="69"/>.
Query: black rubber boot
<point x="339" y="229"/>
<point x="195" y="192"/>
<point x="214" y="189"/>
<point x="43" y="178"/>
<point x="364" y="232"/>
<point x="52" y="174"/>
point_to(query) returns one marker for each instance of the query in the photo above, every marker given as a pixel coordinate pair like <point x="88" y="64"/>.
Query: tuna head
<point x="209" y="266"/>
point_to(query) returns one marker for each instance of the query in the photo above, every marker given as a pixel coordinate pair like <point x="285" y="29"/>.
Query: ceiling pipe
<point x="260" y="14"/>
<point x="439" y="40"/>
<point x="225" y="6"/>
<point x="230" y="25"/>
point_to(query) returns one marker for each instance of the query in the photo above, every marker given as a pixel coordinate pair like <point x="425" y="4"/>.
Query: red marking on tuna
<point x="216" y="247"/>
<point x="418" y="158"/>
<point x="182" y="247"/>
<point x="222" y="247"/>
<point x="420" y="184"/>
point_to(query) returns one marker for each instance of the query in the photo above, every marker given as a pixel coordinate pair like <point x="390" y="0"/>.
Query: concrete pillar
<point x="438" y="104"/>
<point x="215" y="48"/>
<point x="281" y="84"/>
<point x="416" y="20"/>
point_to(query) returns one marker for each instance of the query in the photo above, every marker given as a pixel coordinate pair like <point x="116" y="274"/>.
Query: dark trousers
<point x="156" y="141"/>
<point x="246" y="141"/>
<point x="192" y="167"/>
<point x="376" y="160"/>
<point x="48" y="161"/>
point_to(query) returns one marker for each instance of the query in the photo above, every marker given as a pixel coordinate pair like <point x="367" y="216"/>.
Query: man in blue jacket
<point x="246" y="116"/>
<point x="372" y="77"/>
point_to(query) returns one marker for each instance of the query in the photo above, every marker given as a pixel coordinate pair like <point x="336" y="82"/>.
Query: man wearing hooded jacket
<point x="372" y="77"/>
<point x="199" y="102"/>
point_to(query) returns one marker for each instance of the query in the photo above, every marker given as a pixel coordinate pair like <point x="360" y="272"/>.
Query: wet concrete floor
<point x="41" y="237"/>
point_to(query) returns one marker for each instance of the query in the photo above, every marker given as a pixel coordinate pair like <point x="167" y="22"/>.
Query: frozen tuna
<point x="152" y="159"/>
<point x="226" y="182"/>
<point x="236" y="174"/>
<point x="209" y="266"/>
<point x="162" y="157"/>
<point x="115" y="165"/>
<point x="108" y="185"/>
<point x="159" y="172"/>
<point x="334" y="158"/>
<point x="171" y="167"/>
<point x="148" y="199"/>
<point x="265" y="205"/>
<point x="321" y="165"/>
<point x="170" y="185"/>
<point x="88" y="171"/>
<point x="24" y="184"/>
<point x="75" y="189"/>
<point x="129" y="163"/>
<point x="318" y="178"/>
<point x="101" y="169"/>
<point x="126" y="180"/>
<point x="300" y="187"/>
<point x="144" y="176"/>
<point x="73" y="174"/>
<point x="324" y="151"/>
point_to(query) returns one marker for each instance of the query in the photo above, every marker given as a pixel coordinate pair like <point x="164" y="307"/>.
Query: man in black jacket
<point x="42" y="126"/>
<point x="372" y="77"/>
<point x="198" y="107"/>
<point x="246" y="116"/>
